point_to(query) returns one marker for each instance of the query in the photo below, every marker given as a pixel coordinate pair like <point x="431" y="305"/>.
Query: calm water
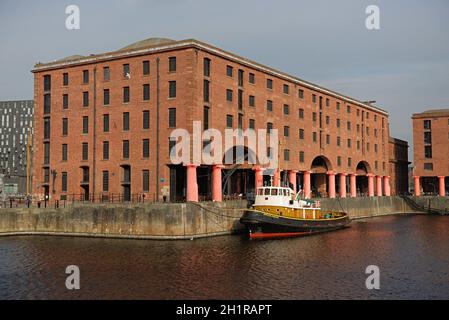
<point x="412" y="253"/>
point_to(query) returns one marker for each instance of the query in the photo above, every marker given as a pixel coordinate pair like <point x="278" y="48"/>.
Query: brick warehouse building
<point x="329" y="144"/>
<point x="430" y="151"/>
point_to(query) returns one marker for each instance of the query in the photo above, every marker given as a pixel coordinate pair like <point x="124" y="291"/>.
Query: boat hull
<point x="261" y="225"/>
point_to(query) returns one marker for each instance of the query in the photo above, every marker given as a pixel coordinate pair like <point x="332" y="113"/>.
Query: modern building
<point x="431" y="151"/>
<point x="399" y="166"/>
<point x="111" y="116"/>
<point x="16" y="129"/>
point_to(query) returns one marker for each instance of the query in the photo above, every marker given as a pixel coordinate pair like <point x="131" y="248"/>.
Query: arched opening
<point x="238" y="177"/>
<point x="362" y="169"/>
<point x="319" y="180"/>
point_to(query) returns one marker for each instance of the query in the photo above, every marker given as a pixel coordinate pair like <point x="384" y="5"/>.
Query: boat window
<point x="267" y="192"/>
<point x="260" y="192"/>
<point x="285" y="192"/>
<point x="274" y="192"/>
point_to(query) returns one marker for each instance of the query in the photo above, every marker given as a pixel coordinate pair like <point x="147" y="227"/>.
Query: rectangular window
<point x="172" y="117"/>
<point x="358" y="145"/>
<point x="126" y="71"/>
<point x="314" y="137"/>
<point x="106" y="74"/>
<point x="428" y="166"/>
<point x="85" y="76"/>
<point x="47" y="103"/>
<point x="240" y="99"/>
<point x="286" y="109"/>
<point x="172" y="64"/>
<point x="252" y="101"/>
<point x="126" y="94"/>
<point x="339" y="161"/>
<point x="269" y="105"/>
<point x="349" y="162"/>
<point x="269" y="127"/>
<point x="252" y="78"/>
<point x="171" y="145"/>
<point x="229" y="120"/>
<point x="286" y="154"/>
<point x="286" y="89"/>
<point x="125" y="121"/>
<point x="301" y="113"/>
<point x="327" y="102"/>
<point x="146" y="92"/>
<point x="301" y="94"/>
<point x="46" y="128"/>
<point x="328" y="139"/>
<point x="125" y="150"/>
<point x="105" y="150"/>
<point x="240" y="78"/>
<point x="145" y="180"/>
<point x="65" y="79"/>
<point x="348" y="125"/>
<point x="106" y="123"/>
<point x="428" y="152"/>
<point x="301" y="134"/>
<point x="269" y="84"/>
<point x="85" y="99"/>
<point x="206" y="67"/>
<point x="64" y="152"/>
<point x="348" y="109"/>
<point x="106" y="97"/>
<point x="85" y="124"/>
<point x="146" y="148"/>
<point x="65" y="126"/>
<point x="46" y="153"/>
<point x="427" y="125"/>
<point x="349" y="143"/>
<point x="229" y="71"/>
<point x="240" y="121"/>
<point x="146" y="67"/>
<point x="286" y="131"/>
<point x="229" y="95"/>
<point x="313" y="98"/>
<point x="172" y="89"/>
<point x="338" y="123"/>
<point x="146" y="119"/>
<point x="375" y="148"/>
<point x="252" y="124"/>
<point x="327" y="120"/>
<point x="206" y="85"/>
<point x="314" y="116"/>
<point x="301" y="156"/>
<point x="205" y="118"/>
<point x="85" y="151"/>
<point x="105" y="181"/>
<point x="428" y="137"/>
<point x="338" y="141"/>
<point x="64" y="182"/>
<point x="47" y="83"/>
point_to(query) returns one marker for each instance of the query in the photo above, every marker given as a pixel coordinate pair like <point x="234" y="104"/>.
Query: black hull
<point x="259" y="223"/>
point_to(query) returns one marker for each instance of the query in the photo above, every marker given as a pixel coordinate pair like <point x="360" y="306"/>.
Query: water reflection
<point x="411" y="252"/>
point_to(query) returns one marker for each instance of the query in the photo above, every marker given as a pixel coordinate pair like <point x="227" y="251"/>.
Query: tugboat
<point x="277" y="212"/>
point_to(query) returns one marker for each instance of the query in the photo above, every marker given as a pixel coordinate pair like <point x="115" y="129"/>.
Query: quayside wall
<point x="164" y="220"/>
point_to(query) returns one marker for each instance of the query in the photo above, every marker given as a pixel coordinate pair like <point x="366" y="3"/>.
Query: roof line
<point x="208" y="48"/>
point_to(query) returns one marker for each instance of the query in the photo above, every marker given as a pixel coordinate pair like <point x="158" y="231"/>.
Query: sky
<point x="403" y="66"/>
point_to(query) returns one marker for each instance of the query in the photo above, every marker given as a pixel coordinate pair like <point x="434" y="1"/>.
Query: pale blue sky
<point x="404" y="66"/>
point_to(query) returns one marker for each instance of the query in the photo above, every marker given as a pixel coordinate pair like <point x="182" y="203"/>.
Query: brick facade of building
<point x="335" y="144"/>
<point x="430" y="151"/>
